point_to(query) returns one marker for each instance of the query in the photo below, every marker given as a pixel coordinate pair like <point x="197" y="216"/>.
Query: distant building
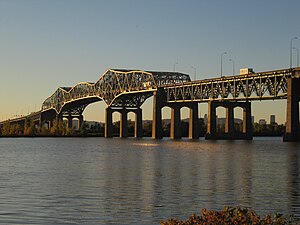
<point x="262" y="122"/>
<point x="272" y="119"/>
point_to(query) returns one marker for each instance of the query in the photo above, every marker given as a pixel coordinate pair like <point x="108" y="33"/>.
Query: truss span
<point x="255" y="86"/>
<point x="116" y="87"/>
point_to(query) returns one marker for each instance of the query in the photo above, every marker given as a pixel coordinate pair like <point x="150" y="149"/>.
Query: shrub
<point x="233" y="216"/>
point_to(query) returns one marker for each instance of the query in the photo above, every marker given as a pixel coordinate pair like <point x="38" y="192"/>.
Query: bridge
<point x="125" y="91"/>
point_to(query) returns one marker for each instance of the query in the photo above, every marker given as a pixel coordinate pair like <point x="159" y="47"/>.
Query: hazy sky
<point x="47" y="44"/>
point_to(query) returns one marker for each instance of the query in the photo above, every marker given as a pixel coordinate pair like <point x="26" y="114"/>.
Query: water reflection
<point x="293" y="180"/>
<point x="115" y="181"/>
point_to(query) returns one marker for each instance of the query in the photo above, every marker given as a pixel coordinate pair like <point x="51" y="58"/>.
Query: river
<point x="144" y="181"/>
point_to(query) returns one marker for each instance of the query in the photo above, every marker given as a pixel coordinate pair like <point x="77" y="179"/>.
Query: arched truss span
<point x="119" y="88"/>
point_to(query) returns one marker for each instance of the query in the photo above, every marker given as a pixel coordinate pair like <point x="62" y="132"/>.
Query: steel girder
<point x="255" y="86"/>
<point x="118" y="88"/>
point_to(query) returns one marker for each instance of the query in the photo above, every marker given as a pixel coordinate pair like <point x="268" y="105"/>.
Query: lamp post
<point x="297" y="55"/>
<point x="233" y="66"/>
<point x="174" y="66"/>
<point x="194" y="72"/>
<point x="224" y="53"/>
<point x="291" y="47"/>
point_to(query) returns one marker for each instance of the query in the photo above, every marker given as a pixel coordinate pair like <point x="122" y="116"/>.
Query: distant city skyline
<point x="47" y="44"/>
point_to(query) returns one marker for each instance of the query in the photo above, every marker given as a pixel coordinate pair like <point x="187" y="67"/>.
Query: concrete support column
<point x="80" y="121"/>
<point x="108" y="133"/>
<point x="59" y="116"/>
<point x="229" y="123"/>
<point x="138" y="127"/>
<point x="247" y="122"/>
<point x="175" y="129"/>
<point x="70" y="121"/>
<point x="156" y="122"/>
<point x="292" y="111"/>
<point x="194" y="122"/>
<point x="49" y="124"/>
<point x="48" y="118"/>
<point x="36" y="123"/>
<point x="211" y="122"/>
<point x="40" y="122"/>
<point x="123" y="124"/>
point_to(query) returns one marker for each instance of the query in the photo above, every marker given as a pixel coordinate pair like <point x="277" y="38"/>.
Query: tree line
<point x="60" y="128"/>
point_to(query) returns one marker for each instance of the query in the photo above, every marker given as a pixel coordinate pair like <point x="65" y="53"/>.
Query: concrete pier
<point x="292" y="111"/>
<point x="230" y="132"/>
<point x="138" y="128"/>
<point x="157" y="132"/>
<point x="194" y="132"/>
<point x="175" y="126"/>
<point x="123" y="123"/>
<point x="108" y="132"/>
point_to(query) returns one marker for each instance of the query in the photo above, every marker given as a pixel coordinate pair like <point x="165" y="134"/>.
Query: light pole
<point x="291" y="47"/>
<point x="224" y="53"/>
<point x="233" y="66"/>
<point x="194" y="72"/>
<point x="297" y="55"/>
<point x="174" y="66"/>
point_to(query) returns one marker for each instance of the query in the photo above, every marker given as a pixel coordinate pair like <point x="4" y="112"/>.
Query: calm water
<point x="115" y="181"/>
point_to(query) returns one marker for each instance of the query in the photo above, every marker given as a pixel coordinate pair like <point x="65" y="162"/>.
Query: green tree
<point x="83" y="128"/>
<point x="147" y="129"/>
<point x="54" y="130"/>
<point x="6" y="128"/>
<point x="15" y="129"/>
<point x="44" y="131"/>
<point x="30" y="129"/>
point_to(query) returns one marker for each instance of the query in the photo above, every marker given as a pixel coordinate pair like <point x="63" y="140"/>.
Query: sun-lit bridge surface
<point x="126" y="90"/>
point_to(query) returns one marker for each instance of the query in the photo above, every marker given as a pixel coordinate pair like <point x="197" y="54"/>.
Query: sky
<point x="48" y="44"/>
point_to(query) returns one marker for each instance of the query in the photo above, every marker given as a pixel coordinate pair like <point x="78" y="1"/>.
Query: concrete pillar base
<point x="108" y="132"/>
<point x="157" y="132"/>
<point x="288" y="137"/>
<point x="123" y="124"/>
<point x="138" y="127"/>
<point x="194" y="122"/>
<point x="292" y="111"/>
<point x="175" y="129"/>
<point x="229" y="134"/>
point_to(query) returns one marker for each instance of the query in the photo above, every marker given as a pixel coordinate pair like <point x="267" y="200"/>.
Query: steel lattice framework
<point x="118" y="88"/>
<point x="255" y="86"/>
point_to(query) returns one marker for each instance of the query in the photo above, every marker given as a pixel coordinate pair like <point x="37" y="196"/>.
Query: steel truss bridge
<point x="255" y="86"/>
<point x="126" y="90"/>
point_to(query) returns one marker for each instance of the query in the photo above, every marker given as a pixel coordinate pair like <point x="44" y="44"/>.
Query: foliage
<point x="60" y="128"/>
<point x="83" y="128"/>
<point x="44" y="131"/>
<point x="232" y="216"/>
<point x="268" y="129"/>
<point x="30" y="129"/>
<point x="9" y="129"/>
